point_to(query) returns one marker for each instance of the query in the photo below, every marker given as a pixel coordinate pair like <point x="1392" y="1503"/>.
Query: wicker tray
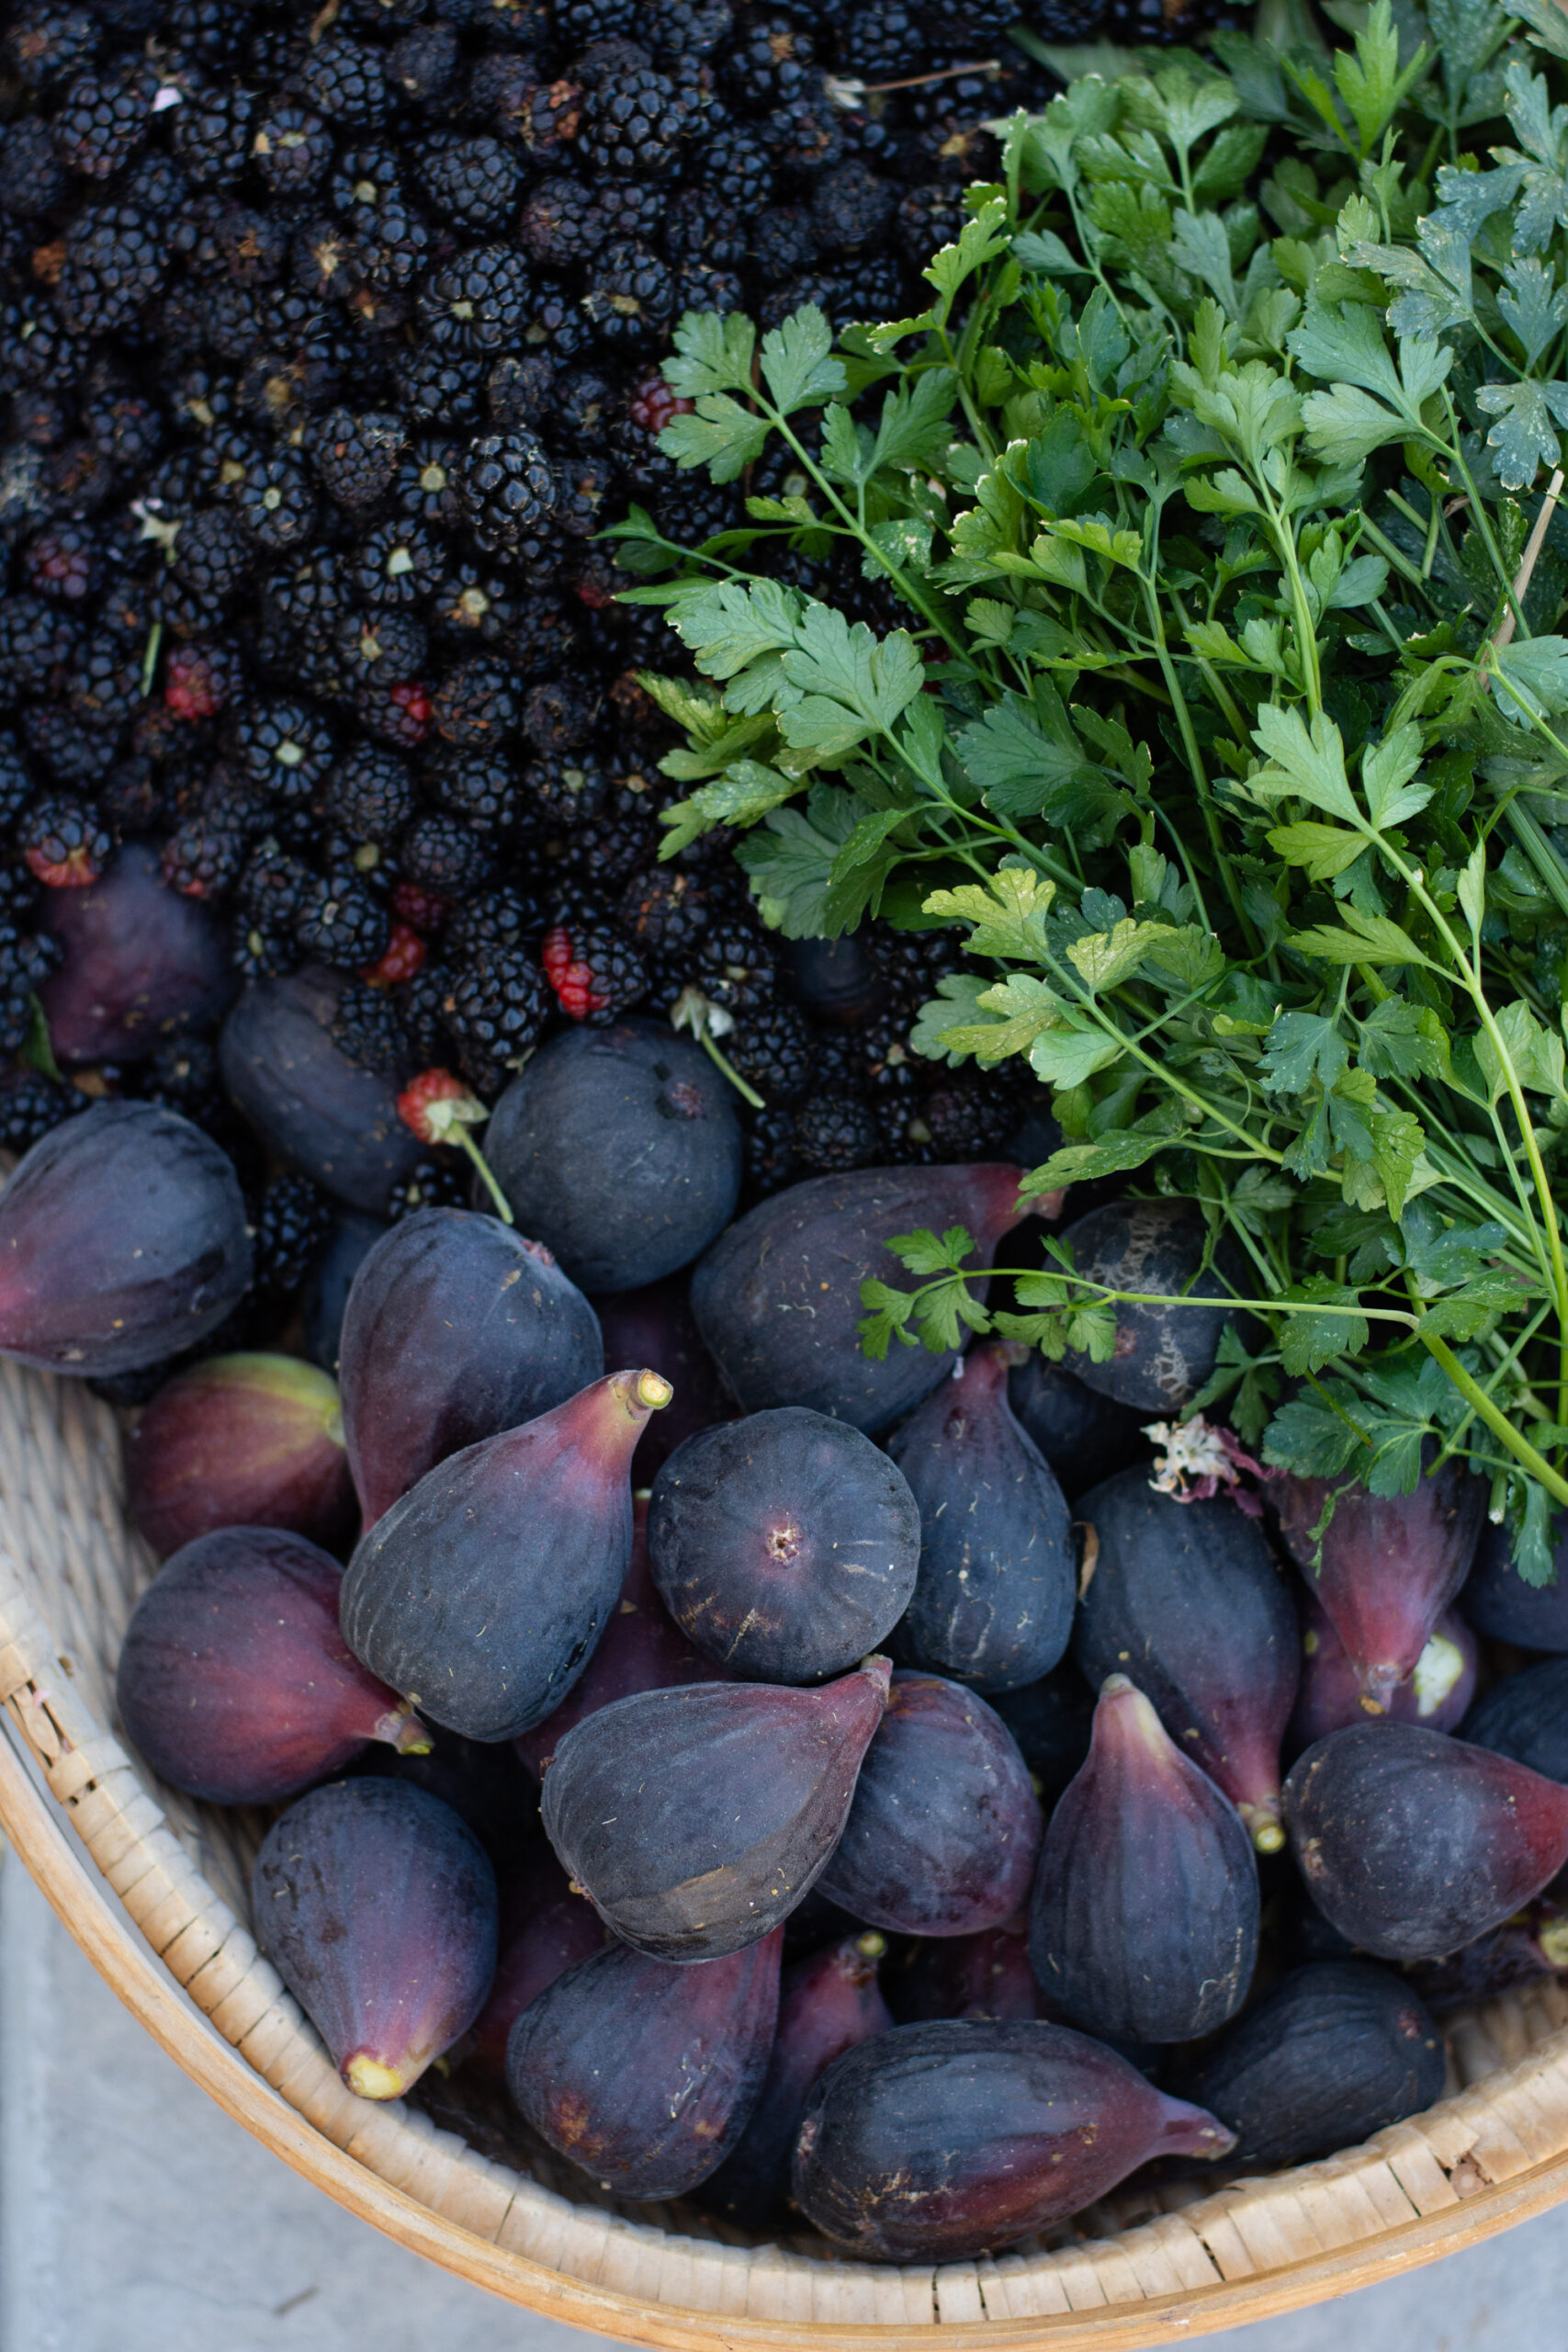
<point x="152" y="1888"/>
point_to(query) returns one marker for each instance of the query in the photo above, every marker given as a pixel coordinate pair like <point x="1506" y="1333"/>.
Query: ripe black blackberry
<point x="806" y="136"/>
<point x="782" y="242"/>
<point x="421" y="67"/>
<point x="584" y="21"/>
<point x="434" y="1184"/>
<point x="76" y="755"/>
<point x="851" y="209"/>
<point x="882" y="41"/>
<point x="277" y="504"/>
<point x="33" y="179"/>
<point x="324" y="263"/>
<point x="344" y="80"/>
<point x="559" y="714"/>
<point x="62" y="844"/>
<point x="835" y="1132"/>
<point x="37" y="639"/>
<point x="32" y="1106"/>
<point x="290" y="147"/>
<point x="558" y="328"/>
<point x="114" y="265"/>
<point x="272" y="890"/>
<point x="447" y="856"/>
<point x="380" y="647"/>
<point x="736" y="161"/>
<point x="507" y="917"/>
<point x="473" y="605"/>
<point x="182" y="1074"/>
<point x="356" y="458"/>
<point x="368" y="1026"/>
<point x="633" y="120"/>
<point x="102" y="686"/>
<point x="666" y="911"/>
<point x="102" y="120"/>
<point x="496" y="1010"/>
<point x="15" y="788"/>
<point x="425" y="487"/>
<point x="398" y="563"/>
<point x="47" y="41"/>
<point x="26" y="959"/>
<point x="686" y="28"/>
<point x="562" y="221"/>
<point x="771" y="63"/>
<point x="204" y="854"/>
<point x="292" y="1221"/>
<point x="507" y="488"/>
<point x="477" y="302"/>
<point x="735" y="966"/>
<point x="370" y="796"/>
<point x="968" y="1116"/>
<point x="565" y="791"/>
<point x="284" y="749"/>
<point x="475" y="705"/>
<point x="438" y="388"/>
<point x="773" y="1051"/>
<point x="473" y="183"/>
<point x="213" y="556"/>
<point x="212" y="134"/>
<point x="480" y="786"/>
<point x="630" y="297"/>
<point x="700" y="228"/>
<point x="772" y="1160"/>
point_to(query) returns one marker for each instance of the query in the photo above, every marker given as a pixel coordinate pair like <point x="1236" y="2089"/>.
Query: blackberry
<point x="582" y="21"/>
<point x="633" y="121"/>
<point x="968" y="1116"/>
<point x="502" y="918"/>
<point x="507" y="488"/>
<point x="199" y="678"/>
<point x="595" y="970"/>
<point x="394" y="245"/>
<point x="734" y="966"/>
<point x="277" y="504"/>
<point x="806" y="136"/>
<point x="473" y="182"/>
<point x="475" y="706"/>
<point x="621" y="835"/>
<point x="102" y="120"/>
<point x="182" y="1074"/>
<point x="125" y="429"/>
<point x="360" y="183"/>
<point x="422" y="1008"/>
<point x="930" y="217"/>
<point x="562" y="222"/>
<point x="63" y="563"/>
<point x="380" y="647"/>
<point x="882" y="41"/>
<point x="309" y="596"/>
<point x="356" y="458"/>
<point x="114" y="265"/>
<point x="558" y="714"/>
<point x="284" y="749"/>
<point x="443" y="854"/>
<point x="584" y="486"/>
<point x="736" y="161"/>
<point x="35" y="641"/>
<point x="772" y="1050"/>
<point x="342" y="921"/>
<point x="16" y="785"/>
<point x="435" y="1184"/>
<point x="479" y="785"/>
<point x="32" y="1106"/>
<point x="568" y="788"/>
<point x="213" y="556"/>
<point x="524" y="23"/>
<point x="630" y="297"/>
<point x="370" y="796"/>
<point x="835" y="1132"/>
<point x="424" y="488"/>
<point x="26" y="959"/>
<point x="436" y="388"/>
<point x="420" y="67"/>
<point x="272" y="891"/>
<point x="37" y="347"/>
<point x="291" y="148"/>
<point x="399" y="564"/>
<point x="324" y="264"/>
<point x="103" y="688"/>
<point x="772" y="1160"/>
<point x="521" y="389"/>
<point x="344" y="80"/>
<point x="397" y="713"/>
<point x="784" y="242"/>
<point x="204" y="856"/>
<point x="872" y="289"/>
<point x="77" y="754"/>
<point x="472" y="606"/>
<point x="47" y="41"/>
<point x="665" y="910"/>
<point x="557" y="329"/>
<point x="586" y="403"/>
<point x="292" y="1220"/>
<point x="32" y="180"/>
<point x="700" y="228"/>
<point x="851" y="209"/>
<point x="634" y="207"/>
<point x="692" y="27"/>
<point x="771" y="63"/>
<point x="478" y="303"/>
<point x="61" y="843"/>
<point x="544" y="117"/>
<point x="495" y="1011"/>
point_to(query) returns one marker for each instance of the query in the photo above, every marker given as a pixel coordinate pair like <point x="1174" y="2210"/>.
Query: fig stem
<point x="503" y="1206"/>
<point x="371" y="2078"/>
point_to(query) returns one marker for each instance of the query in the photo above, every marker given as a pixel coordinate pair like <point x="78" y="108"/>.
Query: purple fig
<point x="655" y="1325"/>
<point x="1525" y="1716"/>
<point x="1389" y="1565"/>
<point x="122" y="1242"/>
<point x="246" y="1441"/>
<point x="642" y="2073"/>
<point x="620" y="1149"/>
<point x="377" y="1907"/>
<point x="545" y="1930"/>
<point x="987" y="1975"/>
<point x="642" y="1648"/>
<point x="482" y="1593"/>
<point x="141" y="964"/>
<point x="1163" y="1354"/>
<point x="323" y="1302"/>
<point x="1144" y="1923"/>
<point x="304" y="1096"/>
<point x="696" y="1819"/>
<point x="1411" y="1843"/>
<point x="777" y="1299"/>
<point x="1435" y="1692"/>
<point x="1497" y="1600"/>
<point x="828" y="2004"/>
<point x="235" y="1682"/>
<point x="784" y="1546"/>
<point x="1160" y="1578"/>
<point x="1085" y="1437"/>
<point x="937" y="2142"/>
<point x="993" y="1603"/>
<point x="1050" y="1720"/>
<point x="944" y="1831"/>
<point x="1531" y="1945"/>
<point x="456" y="1329"/>
<point x="482" y="1780"/>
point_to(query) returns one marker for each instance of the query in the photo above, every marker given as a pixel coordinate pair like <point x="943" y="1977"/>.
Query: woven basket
<point x="154" y="1888"/>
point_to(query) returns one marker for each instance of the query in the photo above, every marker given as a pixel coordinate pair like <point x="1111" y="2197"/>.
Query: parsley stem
<point x="1496" y="1420"/>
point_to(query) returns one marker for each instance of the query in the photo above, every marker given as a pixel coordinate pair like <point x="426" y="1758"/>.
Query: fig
<point x="1411" y="1842"/>
<point x="619" y="1149"/>
<point x="377" y="1907"/>
<point x="839" y="980"/>
<point x="642" y="2073"/>
<point x="1435" y="1692"/>
<point x="1185" y="1597"/>
<point x="141" y="964"/>
<point x="828" y="2004"/>
<point x="696" y="1819"/>
<point x="777" y="1299"/>
<point x="655" y="1325"/>
<point x="1164" y="1353"/>
<point x="987" y="1975"/>
<point x="235" y="1682"/>
<point x="325" y="1298"/>
<point x="1330" y="2055"/>
<point x="1144" y="1922"/>
<point x="784" y="1546"/>
<point x="456" y="1329"/>
<point x="1525" y="1948"/>
<point x="1525" y="1716"/>
<point x="122" y="1242"/>
<point x="1050" y="1721"/>
<point x="945" y="1830"/>
<point x="482" y="1780"/>
<point x="941" y="2141"/>
<point x="245" y="1440"/>
<point x="1388" y="1564"/>
<point x="1085" y="1437"/>
<point x="993" y="1603"/>
<point x="302" y="1094"/>
<point x="642" y="1648"/>
<point x="480" y="1594"/>
<point x="1497" y="1600"/>
<point x="546" y="1930"/>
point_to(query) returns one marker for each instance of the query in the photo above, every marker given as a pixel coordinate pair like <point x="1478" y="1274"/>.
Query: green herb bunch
<point x="1216" y="689"/>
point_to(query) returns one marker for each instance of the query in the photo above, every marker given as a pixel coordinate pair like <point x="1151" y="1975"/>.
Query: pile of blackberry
<point x="331" y="338"/>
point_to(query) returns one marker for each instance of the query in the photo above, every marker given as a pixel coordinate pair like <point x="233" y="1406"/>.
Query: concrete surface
<point x="134" y="2217"/>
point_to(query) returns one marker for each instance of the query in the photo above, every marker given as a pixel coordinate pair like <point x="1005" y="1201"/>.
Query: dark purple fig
<point x="377" y="1907"/>
<point x="324" y="1299"/>
<point x="696" y="1819"/>
<point x="1050" y="1721"/>
<point x="839" y="980"/>
<point x="1436" y="1693"/>
<point x="1411" y="1843"/>
<point x="987" y="1975"/>
<point x="1498" y="1601"/>
<point x="620" y="1149"/>
<point x="482" y="1780"/>
<point x="246" y="1441"/>
<point x="944" y="1831"/>
<point x="1085" y="1437"/>
<point x="993" y="1603"/>
<point x="784" y="1546"/>
<point x="482" y="1593"/>
<point x="655" y="1325"/>
<point x="642" y="1648"/>
<point x="545" y="1930"/>
<point x="1185" y="1597"/>
<point x="777" y="1299"/>
<point x="645" y="2075"/>
<point x="456" y="1329"/>
<point x="1389" y="1565"/>
<point x="122" y="1242"/>
<point x="1525" y="1948"/>
<point x="307" y="1099"/>
<point x="141" y="964"/>
<point x="1332" y="2055"/>
<point x="828" y="2004"/>
<point x="1144" y="1923"/>
<point x="937" y="2142"/>
<point x="1163" y="1354"/>
<point x="235" y="1682"/>
<point x="1525" y="1716"/>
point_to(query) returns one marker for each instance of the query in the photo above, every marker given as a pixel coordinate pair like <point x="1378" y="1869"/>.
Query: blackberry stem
<point x="503" y="1206"/>
<point x="747" y="1093"/>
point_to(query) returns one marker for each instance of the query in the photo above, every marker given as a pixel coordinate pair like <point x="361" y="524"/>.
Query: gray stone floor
<point x="134" y="2217"/>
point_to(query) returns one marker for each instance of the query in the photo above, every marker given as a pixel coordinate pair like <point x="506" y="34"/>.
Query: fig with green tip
<point x="241" y="1441"/>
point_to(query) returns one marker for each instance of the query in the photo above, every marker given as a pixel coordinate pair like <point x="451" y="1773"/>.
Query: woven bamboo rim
<point x="153" y="1889"/>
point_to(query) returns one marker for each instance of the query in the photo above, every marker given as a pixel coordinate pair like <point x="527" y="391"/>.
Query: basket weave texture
<point x="1136" y="2271"/>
